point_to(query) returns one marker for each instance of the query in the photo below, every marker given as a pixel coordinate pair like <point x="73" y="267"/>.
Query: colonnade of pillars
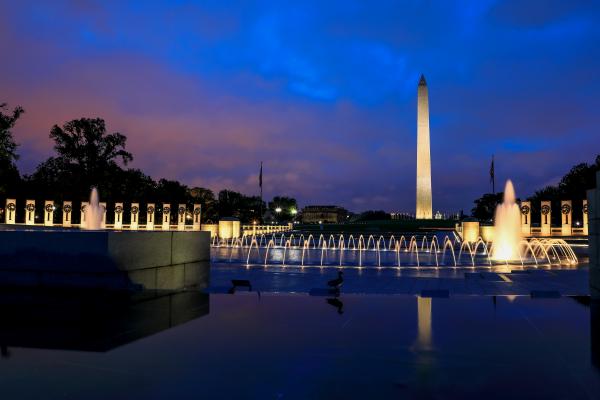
<point x="184" y="218"/>
<point x="566" y="227"/>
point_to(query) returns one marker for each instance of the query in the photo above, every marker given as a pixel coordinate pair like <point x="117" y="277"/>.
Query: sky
<point x="323" y="92"/>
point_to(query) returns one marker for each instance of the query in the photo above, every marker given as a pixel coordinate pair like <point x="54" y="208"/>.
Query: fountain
<point x="507" y="227"/>
<point x="93" y="212"/>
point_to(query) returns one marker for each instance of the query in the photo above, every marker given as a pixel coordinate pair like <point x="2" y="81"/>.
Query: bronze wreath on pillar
<point x="545" y="209"/>
<point x="565" y="209"/>
<point x="181" y="210"/>
<point x="134" y="210"/>
<point x="525" y="210"/>
<point x="585" y="208"/>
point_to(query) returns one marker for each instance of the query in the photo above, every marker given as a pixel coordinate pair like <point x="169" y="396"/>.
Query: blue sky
<point x="323" y="92"/>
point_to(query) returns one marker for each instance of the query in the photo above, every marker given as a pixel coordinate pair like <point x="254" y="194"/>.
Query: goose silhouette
<point x="337" y="283"/>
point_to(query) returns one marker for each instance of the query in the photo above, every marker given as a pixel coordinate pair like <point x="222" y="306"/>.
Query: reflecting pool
<point x="299" y="346"/>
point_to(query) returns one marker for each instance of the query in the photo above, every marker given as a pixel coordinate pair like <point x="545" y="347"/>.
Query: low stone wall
<point x="594" y="238"/>
<point x="105" y="259"/>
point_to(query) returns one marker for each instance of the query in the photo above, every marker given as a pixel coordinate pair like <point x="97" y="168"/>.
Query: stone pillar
<point x="84" y="206"/>
<point x="566" y="214"/>
<point x="166" y="217"/>
<point x="526" y="218"/>
<point x="49" y="213"/>
<point x="593" y="197"/>
<point x="196" y="215"/>
<point x="135" y="216"/>
<point x="29" y="212"/>
<point x="585" y="217"/>
<point x="546" y="218"/>
<point x="470" y="230"/>
<point x="103" y="207"/>
<point x="150" y="217"/>
<point x="11" y="211"/>
<point x="118" y="216"/>
<point x="181" y="217"/>
<point x="67" y="209"/>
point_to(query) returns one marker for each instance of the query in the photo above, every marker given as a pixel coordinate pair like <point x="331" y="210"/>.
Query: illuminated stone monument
<point x="181" y="217"/>
<point x="150" y="217"/>
<point x="424" y="209"/>
<point x="546" y="218"/>
<point x="67" y="209"/>
<point x="229" y="228"/>
<point x="526" y="218"/>
<point x="166" y="217"/>
<point x="196" y="215"/>
<point x="103" y="223"/>
<point x="566" y="211"/>
<point x="593" y="202"/>
<point x="585" y="217"/>
<point x="84" y="206"/>
<point x="49" y="213"/>
<point x="11" y="211"/>
<point x="29" y="212"/>
<point x="118" y="216"/>
<point x="135" y="216"/>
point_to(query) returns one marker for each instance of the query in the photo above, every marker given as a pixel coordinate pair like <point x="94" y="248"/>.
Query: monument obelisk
<point x="424" y="210"/>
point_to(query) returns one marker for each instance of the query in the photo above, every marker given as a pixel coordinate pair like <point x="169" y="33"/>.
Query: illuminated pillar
<point x="103" y="207"/>
<point x="566" y="212"/>
<point x="585" y="217"/>
<point x="84" y="206"/>
<point x="11" y="211"/>
<point x="197" y="214"/>
<point x="49" y="213"/>
<point x="181" y="217"/>
<point x="526" y="218"/>
<point x="424" y="208"/>
<point x="29" y="212"/>
<point x="166" y="217"/>
<point x="135" y="216"/>
<point x="470" y="230"/>
<point x="67" y="208"/>
<point x="150" y="217"/>
<point x="593" y="197"/>
<point x="546" y="218"/>
<point x="118" y="216"/>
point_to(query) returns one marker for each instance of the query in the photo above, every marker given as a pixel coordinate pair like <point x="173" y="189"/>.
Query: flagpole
<point x="261" y="192"/>
<point x="493" y="173"/>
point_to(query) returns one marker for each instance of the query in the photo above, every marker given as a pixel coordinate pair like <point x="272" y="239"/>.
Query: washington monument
<point x="423" y="156"/>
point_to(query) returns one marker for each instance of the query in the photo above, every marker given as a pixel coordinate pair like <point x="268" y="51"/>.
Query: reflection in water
<point x="595" y="332"/>
<point x="424" y="323"/>
<point x="337" y="303"/>
<point x="93" y="320"/>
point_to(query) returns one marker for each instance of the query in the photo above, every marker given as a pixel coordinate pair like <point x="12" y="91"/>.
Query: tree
<point x="86" y="156"/>
<point x="10" y="178"/>
<point x="374" y="215"/>
<point x="8" y="146"/>
<point x="87" y="151"/>
<point x="485" y="206"/>
<point x="287" y="206"/>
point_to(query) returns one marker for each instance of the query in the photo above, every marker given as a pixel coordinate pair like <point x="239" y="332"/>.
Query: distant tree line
<point x="572" y="186"/>
<point x="87" y="156"/>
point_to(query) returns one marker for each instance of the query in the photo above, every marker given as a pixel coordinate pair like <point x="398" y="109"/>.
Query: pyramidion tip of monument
<point x="422" y="81"/>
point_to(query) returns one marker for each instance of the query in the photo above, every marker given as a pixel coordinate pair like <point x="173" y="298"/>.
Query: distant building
<point x="323" y="214"/>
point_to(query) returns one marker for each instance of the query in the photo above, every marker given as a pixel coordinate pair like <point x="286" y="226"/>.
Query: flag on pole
<point x="493" y="176"/>
<point x="260" y="176"/>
